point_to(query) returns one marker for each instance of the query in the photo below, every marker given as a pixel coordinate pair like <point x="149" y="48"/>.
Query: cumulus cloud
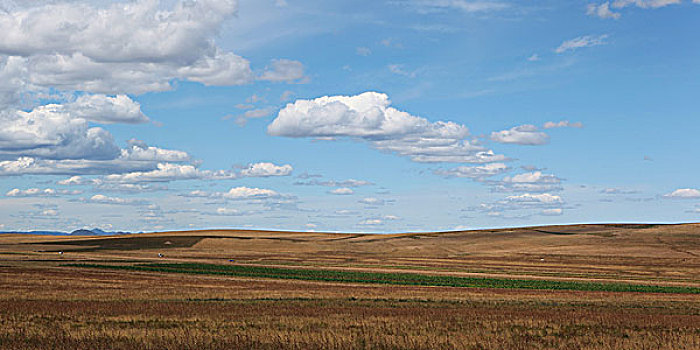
<point x="684" y="193"/>
<point x="552" y="212"/>
<point x="334" y="183"/>
<point x="526" y="203"/>
<point x="52" y="132"/>
<point x="228" y="212"/>
<point x="166" y="172"/>
<point x="562" y="124"/>
<point x="284" y="70"/>
<point x="368" y="116"/>
<point x="266" y="170"/>
<point x="102" y="199"/>
<point x="342" y="191"/>
<point x="372" y="201"/>
<point x="73" y="181"/>
<point x="529" y="182"/>
<point x="521" y="135"/>
<point x="48" y="213"/>
<point x="474" y="172"/>
<point x="137" y="157"/>
<point x="580" y="42"/>
<point x="138" y="150"/>
<point x="132" y="47"/>
<point x="107" y="110"/>
<point x="56" y="139"/>
<point x="126" y="187"/>
<point x="34" y="166"/>
<point x="237" y="193"/>
<point x="371" y="222"/>
<point x="37" y="192"/>
<point x="605" y="9"/>
<point x="534" y="199"/>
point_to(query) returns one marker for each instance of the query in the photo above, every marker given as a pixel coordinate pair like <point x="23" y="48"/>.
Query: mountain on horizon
<point x="79" y="232"/>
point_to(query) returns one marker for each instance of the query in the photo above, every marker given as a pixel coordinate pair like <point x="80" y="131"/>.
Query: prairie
<point x="558" y="287"/>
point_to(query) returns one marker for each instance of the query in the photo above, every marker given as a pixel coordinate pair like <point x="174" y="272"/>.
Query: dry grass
<point x="342" y="324"/>
<point x="46" y="306"/>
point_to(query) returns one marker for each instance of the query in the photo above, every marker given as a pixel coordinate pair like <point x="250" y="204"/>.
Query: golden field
<point x="48" y="301"/>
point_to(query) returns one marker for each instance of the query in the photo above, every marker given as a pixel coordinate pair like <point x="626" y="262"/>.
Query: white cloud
<point x="580" y="42"/>
<point x="534" y="58"/>
<point x="52" y="132"/>
<point x="603" y="10"/>
<point x="371" y="222"/>
<point x="284" y="70"/>
<point x="521" y="135"/>
<point x="136" y="157"/>
<point x="102" y="199"/>
<point x="372" y="201"/>
<point x="48" y="213"/>
<point x="552" y="212"/>
<point x="334" y="183"/>
<point x="529" y="182"/>
<point x="126" y="187"/>
<point x="400" y="70"/>
<point x="132" y="47"/>
<point x="612" y="190"/>
<point x="237" y="193"/>
<point x="138" y="150"/>
<point x="474" y="172"/>
<point x="467" y="6"/>
<point x="242" y="119"/>
<point x="73" y="180"/>
<point x="368" y="116"/>
<point x="34" y="166"/>
<point x="56" y="139"/>
<point x="37" y="192"/>
<point x="535" y="199"/>
<point x="266" y="170"/>
<point x="247" y="193"/>
<point x="345" y="212"/>
<point x="562" y="124"/>
<point x="107" y="110"/>
<point x="684" y="193"/>
<point x="166" y="172"/>
<point x="342" y="191"/>
<point x="228" y="212"/>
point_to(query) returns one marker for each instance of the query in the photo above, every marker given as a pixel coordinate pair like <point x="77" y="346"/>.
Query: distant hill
<point x="80" y="232"/>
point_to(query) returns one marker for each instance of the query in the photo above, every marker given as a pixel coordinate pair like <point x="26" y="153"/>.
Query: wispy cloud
<point x="581" y="42"/>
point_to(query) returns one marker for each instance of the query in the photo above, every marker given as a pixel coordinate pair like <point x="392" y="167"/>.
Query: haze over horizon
<point x="362" y="116"/>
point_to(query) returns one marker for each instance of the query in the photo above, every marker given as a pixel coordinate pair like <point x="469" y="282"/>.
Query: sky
<point x="353" y="116"/>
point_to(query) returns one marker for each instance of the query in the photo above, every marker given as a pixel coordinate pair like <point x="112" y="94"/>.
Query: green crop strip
<point x="412" y="279"/>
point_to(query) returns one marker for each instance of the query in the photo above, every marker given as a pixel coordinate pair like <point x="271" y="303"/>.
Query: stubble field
<point x="565" y="287"/>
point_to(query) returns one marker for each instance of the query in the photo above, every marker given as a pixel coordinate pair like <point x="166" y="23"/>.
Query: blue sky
<point x="368" y="116"/>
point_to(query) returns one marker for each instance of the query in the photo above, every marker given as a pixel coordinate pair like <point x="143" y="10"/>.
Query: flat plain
<point x="621" y="286"/>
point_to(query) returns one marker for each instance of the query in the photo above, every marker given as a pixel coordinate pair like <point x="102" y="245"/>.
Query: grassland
<point x="567" y="287"/>
<point x="408" y="279"/>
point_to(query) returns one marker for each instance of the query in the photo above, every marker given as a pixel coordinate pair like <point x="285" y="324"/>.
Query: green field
<point x="391" y="278"/>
